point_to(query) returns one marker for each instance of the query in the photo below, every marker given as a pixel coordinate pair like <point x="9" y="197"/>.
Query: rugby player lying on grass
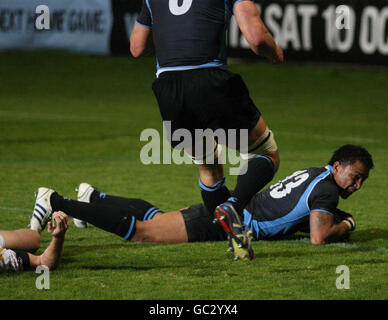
<point x="16" y="246"/>
<point x="307" y="199"/>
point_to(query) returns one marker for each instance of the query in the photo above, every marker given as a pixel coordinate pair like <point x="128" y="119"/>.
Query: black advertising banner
<point x="345" y="31"/>
<point x="316" y="30"/>
<point x="321" y="30"/>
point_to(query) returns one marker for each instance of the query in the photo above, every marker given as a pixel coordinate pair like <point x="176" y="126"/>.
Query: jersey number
<point x="177" y="9"/>
<point x="283" y="188"/>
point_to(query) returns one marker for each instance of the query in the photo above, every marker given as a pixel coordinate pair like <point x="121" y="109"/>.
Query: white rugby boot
<point x="42" y="210"/>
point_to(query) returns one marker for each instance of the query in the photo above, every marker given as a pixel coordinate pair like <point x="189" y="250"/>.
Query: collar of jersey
<point x="330" y="168"/>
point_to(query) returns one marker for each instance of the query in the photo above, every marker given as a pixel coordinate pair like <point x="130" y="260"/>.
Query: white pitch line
<point x="326" y="137"/>
<point x="349" y="246"/>
<point x="60" y="117"/>
<point x="15" y="209"/>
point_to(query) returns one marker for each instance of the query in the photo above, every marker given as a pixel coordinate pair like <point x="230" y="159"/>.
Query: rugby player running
<point x="194" y="90"/>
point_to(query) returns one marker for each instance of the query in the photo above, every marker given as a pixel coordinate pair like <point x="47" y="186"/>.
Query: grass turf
<point x="67" y="118"/>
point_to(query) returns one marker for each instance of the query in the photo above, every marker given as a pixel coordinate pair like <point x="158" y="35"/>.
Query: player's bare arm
<point x="259" y="38"/>
<point x="323" y="230"/>
<point x="50" y="257"/>
<point x="139" y="40"/>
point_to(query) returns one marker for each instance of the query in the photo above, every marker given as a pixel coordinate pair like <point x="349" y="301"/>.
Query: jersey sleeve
<point x="324" y="197"/>
<point x="145" y="16"/>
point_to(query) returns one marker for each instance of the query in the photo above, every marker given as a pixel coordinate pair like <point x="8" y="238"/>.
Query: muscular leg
<point x="259" y="170"/>
<point x="211" y="173"/>
<point x="256" y="133"/>
<point x="212" y="184"/>
<point x="119" y="217"/>
<point x="22" y="239"/>
<point x="168" y="227"/>
<point x="262" y="164"/>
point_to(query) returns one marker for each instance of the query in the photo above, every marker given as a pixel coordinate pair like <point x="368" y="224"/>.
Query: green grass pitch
<point x="65" y="119"/>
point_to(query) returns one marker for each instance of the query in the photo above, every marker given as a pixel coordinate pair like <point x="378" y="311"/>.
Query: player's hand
<point x="340" y="215"/>
<point x="61" y="224"/>
<point x="279" y="55"/>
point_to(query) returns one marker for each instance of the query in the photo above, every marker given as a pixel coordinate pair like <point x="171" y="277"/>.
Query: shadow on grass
<point x="327" y="266"/>
<point x="130" y="267"/>
<point x="73" y="251"/>
<point x="79" y="250"/>
<point x="370" y="234"/>
<point x="297" y="236"/>
<point x="357" y="236"/>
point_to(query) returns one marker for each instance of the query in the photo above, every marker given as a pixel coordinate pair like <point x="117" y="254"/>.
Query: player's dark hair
<point x="349" y="154"/>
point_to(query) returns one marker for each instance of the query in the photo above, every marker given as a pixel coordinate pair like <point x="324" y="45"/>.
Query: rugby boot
<point x="240" y="239"/>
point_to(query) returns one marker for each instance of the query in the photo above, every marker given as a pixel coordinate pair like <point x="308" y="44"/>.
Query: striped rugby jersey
<point x="285" y="207"/>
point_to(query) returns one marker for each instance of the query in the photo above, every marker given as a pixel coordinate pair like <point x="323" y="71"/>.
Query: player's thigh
<point x="199" y="225"/>
<point x="168" y="227"/>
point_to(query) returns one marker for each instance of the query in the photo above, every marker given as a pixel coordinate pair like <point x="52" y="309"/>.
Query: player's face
<point x="349" y="177"/>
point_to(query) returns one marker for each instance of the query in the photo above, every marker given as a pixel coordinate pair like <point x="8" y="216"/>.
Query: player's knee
<point x="317" y="241"/>
<point x="151" y="233"/>
<point x="265" y="145"/>
<point x="208" y="155"/>
<point x="153" y="237"/>
<point x="146" y="237"/>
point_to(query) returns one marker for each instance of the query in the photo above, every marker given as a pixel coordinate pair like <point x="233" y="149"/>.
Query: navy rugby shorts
<point x="209" y="98"/>
<point x="200" y="226"/>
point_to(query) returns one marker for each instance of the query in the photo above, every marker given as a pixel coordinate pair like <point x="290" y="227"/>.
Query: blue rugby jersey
<point x="188" y="34"/>
<point x="284" y="207"/>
